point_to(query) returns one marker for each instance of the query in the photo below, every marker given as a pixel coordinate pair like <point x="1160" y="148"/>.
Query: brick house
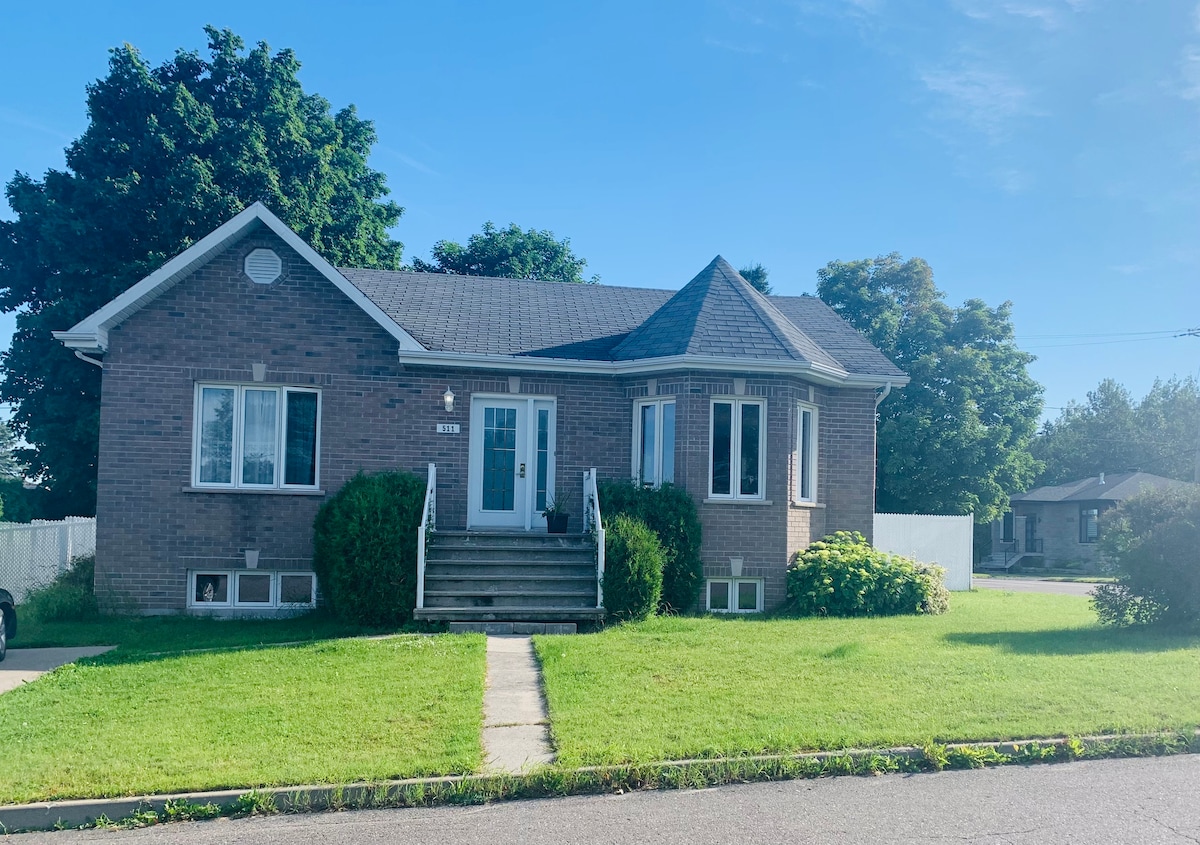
<point x="1058" y="526"/>
<point x="248" y="379"/>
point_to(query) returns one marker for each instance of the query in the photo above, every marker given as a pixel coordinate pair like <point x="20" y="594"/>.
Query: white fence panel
<point x="32" y="554"/>
<point x="945" y="540"/>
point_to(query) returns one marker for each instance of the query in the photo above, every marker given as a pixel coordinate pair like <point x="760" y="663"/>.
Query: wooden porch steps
<point x="502" y="578"/>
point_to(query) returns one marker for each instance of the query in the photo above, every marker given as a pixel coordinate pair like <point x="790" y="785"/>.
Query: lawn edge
<point x="552" y="781"/>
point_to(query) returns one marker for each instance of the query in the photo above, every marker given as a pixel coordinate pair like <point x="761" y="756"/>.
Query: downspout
<point x="100" y="364"/>
<point x="887" y="388"/>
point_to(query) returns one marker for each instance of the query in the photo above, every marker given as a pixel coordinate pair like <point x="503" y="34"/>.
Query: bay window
<point x="654" y="442"/>
<point x="736" y="448"/>
<point x="253" y="436"/>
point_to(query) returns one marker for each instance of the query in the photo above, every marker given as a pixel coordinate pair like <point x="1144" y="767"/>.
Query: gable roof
<point x="1115" y="487"/>
<point x="717" y="321"/>
<point x="91" y="333"/>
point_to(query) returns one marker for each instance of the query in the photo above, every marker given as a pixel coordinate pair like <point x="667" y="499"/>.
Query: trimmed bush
<point x="72" y="595"/>
<point x="671" y="514"/>
<point x="1151" y="542"/>
<point x="365" y="548"/>
<point x="843" y="575"/>
<point x="633" y="569"/>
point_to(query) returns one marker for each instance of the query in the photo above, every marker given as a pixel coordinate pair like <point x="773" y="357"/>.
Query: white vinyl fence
<point x="945" y="540"/>
<point x="32" y="554"/>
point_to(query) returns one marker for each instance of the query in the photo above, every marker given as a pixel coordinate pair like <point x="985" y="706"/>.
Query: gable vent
<point x="263" y="266"/>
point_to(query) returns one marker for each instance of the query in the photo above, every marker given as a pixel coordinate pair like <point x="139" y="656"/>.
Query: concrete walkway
<point x="23" y="665"/>
<point x="515" y="735"/>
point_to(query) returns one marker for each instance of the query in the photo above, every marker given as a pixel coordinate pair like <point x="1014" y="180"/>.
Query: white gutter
<point x="83" y="357"/>
<point x="887" y="388"/>
<point x="815" y="372"/>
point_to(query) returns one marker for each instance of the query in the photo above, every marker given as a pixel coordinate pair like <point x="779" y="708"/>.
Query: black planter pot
<point x="556" y="523"/>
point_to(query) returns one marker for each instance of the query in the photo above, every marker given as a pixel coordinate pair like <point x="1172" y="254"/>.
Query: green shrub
<point x="72" y="595"/>
<point x="1151" y="542"/>
<point x="633" y="569"/>
<point x="671" y="514"/>
<point x="365" y="548"/>
<point x="843" y="575"/>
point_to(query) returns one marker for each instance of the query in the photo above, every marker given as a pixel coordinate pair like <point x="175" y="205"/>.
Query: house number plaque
<point x="448" y="428"/>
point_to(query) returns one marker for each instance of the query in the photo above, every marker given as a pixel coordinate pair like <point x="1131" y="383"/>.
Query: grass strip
<point x="555" y="781"/>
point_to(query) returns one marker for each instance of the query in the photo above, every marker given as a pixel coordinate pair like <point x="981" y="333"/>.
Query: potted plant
<point x="556" y="517"/>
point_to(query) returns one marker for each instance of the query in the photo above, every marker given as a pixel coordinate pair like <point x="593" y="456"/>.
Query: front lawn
<point x="335" y="711"/>
<point x="997" y="666"/>
<point x="157" y="634"/>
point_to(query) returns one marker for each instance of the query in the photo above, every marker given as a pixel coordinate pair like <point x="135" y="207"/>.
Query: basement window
<point x="734" y="595"/>
<point x="251" y="588"/>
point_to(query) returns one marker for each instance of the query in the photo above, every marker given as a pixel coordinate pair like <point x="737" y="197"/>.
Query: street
<point x="1105" y="801"/>
<point x="1034" y="585"/>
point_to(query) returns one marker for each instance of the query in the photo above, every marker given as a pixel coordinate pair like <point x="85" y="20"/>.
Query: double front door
<point x="511" y="472"/>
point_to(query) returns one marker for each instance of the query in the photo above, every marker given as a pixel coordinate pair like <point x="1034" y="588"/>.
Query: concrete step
<point x="475" y="569"/>
<point x="520" y="628"/>
<point x="529" y="601"/>
<point x="502" y="614"/>
<point x="508" y="540"/>
<point x="463" y="583"/>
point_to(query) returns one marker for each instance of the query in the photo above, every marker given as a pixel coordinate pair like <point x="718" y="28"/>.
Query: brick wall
<point x="376" y="415"/>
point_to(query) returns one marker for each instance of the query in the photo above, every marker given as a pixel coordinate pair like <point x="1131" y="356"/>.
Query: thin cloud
<point x="24" y="121"/>
<point x="983" y="100"/>
<point x="410" y="161"/>
<point x="1189" y="73"/>
<point x="743" y="49"/>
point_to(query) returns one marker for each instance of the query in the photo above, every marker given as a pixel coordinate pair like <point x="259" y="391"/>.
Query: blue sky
<point x="1045" y="152"/>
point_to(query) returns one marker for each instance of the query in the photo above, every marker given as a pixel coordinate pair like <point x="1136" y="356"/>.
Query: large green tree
<point x="956" y="439"/>
<point x="170" y="153"/>
<point x="512" y="253"/>
<point x="1111" y="432"/>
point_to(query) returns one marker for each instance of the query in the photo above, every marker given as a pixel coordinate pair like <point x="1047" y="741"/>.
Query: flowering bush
<point x="843" y="575"/>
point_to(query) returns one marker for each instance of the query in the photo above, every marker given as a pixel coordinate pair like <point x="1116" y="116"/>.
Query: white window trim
<point x="236" y="482"/>
<point x="272" y="591"/>
<point x="735" y="448"/>
<point x="733" y="585"/>
<point x="813" y="451"/>
<point x="231" y="596"/>
<point x="636" y="470"/>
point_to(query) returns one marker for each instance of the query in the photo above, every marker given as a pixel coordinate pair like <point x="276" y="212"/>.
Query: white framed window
<point x="251" y="588"/>
<point x="256" y="436"/>
<point x="654" y="442"/>
<point x="806" y="452"/>
<point x="736" y="435"/>
<point x="734" y="595"/>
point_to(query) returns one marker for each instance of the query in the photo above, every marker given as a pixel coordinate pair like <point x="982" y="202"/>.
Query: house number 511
<point x="447" y="428"/>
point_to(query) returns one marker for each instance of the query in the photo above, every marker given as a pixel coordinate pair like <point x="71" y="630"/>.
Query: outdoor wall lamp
<point x="448" y="398"/>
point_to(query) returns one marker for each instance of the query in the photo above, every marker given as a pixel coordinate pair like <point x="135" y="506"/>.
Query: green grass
<point x="997" y="666"/>
<point x="150" y="634"/>
<point x="333" y="712"/>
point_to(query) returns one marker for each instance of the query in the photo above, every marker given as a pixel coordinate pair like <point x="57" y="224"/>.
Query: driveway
<point x="1033" y="585"/>
<point x="28" y="664"/>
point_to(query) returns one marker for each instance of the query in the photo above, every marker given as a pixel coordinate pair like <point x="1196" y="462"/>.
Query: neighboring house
<point x="248" y="379"/>
<point x="1058" y="526"/>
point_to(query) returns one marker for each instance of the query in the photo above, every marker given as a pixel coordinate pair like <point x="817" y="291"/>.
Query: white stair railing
<point x="594" y="524"/>
<point x="428" y="526"/>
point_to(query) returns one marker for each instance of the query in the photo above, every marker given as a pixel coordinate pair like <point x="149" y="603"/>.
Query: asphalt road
<point x="1108" y="801"/>
<point x="1033" y="585"/>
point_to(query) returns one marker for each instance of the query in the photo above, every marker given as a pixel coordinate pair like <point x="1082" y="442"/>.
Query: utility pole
<point x="1196" y="455"/>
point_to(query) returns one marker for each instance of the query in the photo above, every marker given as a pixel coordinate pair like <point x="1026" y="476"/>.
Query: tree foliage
<point x="170" y="153"/>
<point x="756" y="275"/>
<point x="1110" y="432"/>
<point x="1151" y="541"/>
<point x="511" y="253"/>
<point x="956" y="438"/>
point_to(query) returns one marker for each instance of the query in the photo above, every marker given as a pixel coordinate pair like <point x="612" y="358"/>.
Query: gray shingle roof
<point x="718" y="314"/>
<point x="1117" y="487"/>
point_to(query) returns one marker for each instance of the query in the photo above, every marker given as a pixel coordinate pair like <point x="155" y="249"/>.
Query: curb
<point x="549" y="781"/>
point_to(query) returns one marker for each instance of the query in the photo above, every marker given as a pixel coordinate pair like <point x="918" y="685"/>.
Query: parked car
<point x="8" y="620"/>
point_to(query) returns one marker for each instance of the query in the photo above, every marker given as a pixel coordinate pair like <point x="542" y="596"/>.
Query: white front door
<point x="511" y="472"/>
